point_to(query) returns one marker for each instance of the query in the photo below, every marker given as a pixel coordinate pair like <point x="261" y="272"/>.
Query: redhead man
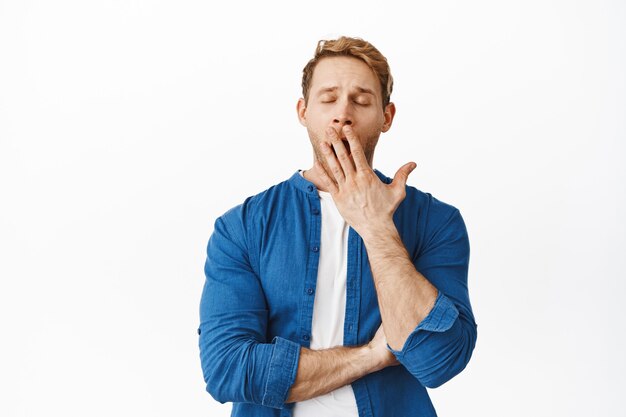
<point x="340" y="291"/>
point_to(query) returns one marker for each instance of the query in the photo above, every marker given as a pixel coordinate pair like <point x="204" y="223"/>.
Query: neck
<point x="312" y="175"/>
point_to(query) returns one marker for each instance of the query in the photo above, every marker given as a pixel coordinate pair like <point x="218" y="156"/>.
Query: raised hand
<point x="364" y="201"/>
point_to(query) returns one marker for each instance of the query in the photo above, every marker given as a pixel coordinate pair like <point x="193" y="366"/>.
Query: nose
<point x="340" y="122"/>
<point x="342" y="117"/>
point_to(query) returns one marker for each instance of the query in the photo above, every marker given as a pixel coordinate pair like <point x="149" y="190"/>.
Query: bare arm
<point x="405" y="296"/>
<point x="322" y="371"/>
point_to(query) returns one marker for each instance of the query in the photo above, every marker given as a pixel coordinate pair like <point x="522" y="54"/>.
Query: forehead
<point x="344" y="72"/>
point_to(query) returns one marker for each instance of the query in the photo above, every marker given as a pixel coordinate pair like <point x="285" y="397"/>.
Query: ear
<point x="388" y="114"/>
<point x="301" y="108"/>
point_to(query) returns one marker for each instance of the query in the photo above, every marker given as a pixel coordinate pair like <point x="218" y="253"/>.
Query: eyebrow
<point x="361" y="90"/>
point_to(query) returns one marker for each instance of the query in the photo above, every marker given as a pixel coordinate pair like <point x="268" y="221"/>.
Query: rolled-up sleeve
<point x="442" y="343"/>
<point x="239" y="364"/>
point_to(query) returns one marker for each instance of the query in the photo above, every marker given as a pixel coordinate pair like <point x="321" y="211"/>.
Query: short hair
<point x="356" y="48"/>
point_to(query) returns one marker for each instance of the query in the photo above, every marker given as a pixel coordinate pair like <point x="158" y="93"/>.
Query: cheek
<point x="374" y="117"/>
<point x="317" y="121"/>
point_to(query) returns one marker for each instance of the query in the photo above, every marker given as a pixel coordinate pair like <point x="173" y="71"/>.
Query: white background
<point x="127" y="127"/>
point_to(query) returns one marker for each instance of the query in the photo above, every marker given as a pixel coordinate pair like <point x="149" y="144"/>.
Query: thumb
<point x="399" y="180"/>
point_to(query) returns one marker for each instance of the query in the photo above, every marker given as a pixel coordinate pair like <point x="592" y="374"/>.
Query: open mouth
<point x="346" y="144"/>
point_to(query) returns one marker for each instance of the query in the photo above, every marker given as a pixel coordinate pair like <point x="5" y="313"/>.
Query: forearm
<point x="405" y="297"/>
<point x="322" y="371"/>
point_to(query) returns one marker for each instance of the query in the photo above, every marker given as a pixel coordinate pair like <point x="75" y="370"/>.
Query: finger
<point x="358" y="155"/>
<point x="325" y="178"/>
<point x="399" y="180"/>
<point x="341" y="151"/>
<point x="333" y="163"/>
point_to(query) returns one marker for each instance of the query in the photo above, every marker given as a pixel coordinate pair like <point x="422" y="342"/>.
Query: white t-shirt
<point x="329" y="310"/>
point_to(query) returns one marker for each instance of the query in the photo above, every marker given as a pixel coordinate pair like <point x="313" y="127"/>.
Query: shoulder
<point x="422" y="204"/>
<point x="428" y="205"/>
<point x="434" y="219"/>
<point x="426" y="222"/>
<point x="261" y="205"/>
<point x="439" y="225"/>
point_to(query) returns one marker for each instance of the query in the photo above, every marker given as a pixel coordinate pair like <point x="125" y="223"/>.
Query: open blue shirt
<point x="257" y="303"/>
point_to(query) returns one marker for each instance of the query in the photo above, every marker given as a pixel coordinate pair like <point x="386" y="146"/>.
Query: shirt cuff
<point x="282" y="372"/>
<point x="441" y="318"/>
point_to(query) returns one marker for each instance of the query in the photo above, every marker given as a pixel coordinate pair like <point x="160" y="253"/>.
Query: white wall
<point x="127" y="127"/>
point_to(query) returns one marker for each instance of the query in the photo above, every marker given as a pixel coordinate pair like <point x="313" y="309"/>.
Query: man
<point x="339" y="292"/>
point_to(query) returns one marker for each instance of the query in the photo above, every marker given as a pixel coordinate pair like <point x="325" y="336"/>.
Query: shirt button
<point x="315" y="249"/>
<point x="199" y="331"/>
<point x="350" y="327"/>
<point x="305" y="336"/>
<point x="315" y="211"/>
<point x="309" y="291"/>
<point x="310" y="188"/>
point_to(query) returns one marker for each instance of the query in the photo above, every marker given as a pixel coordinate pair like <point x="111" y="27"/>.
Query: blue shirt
<point x="257" y="303"/>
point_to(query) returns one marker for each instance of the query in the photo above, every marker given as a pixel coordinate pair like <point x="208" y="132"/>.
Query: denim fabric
<point x="257" y="303"/>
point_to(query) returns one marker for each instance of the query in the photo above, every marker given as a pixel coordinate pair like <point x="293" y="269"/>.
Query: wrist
<point x="374" y="361"/>
<point x="379" y="231"/>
